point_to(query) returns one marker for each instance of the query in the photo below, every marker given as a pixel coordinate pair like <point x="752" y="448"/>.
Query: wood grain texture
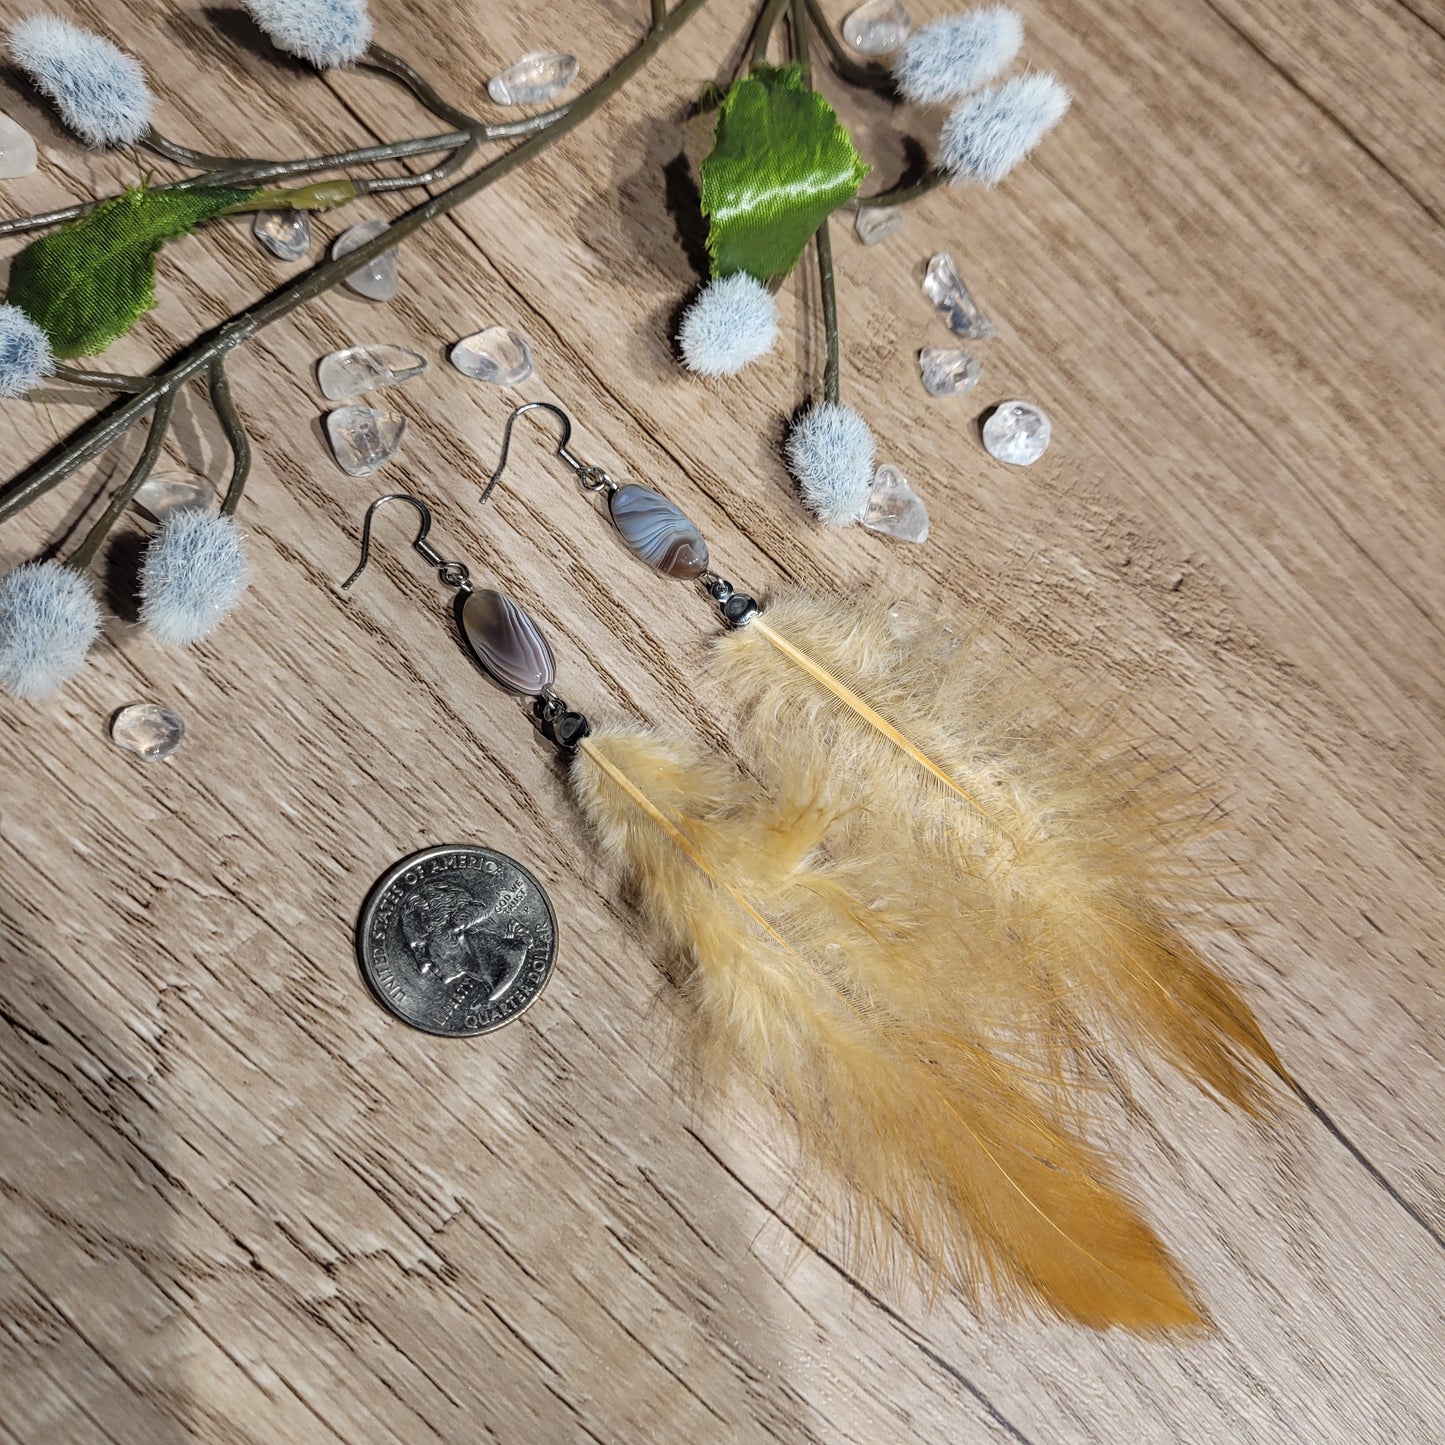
<point x="239" y="1203"/>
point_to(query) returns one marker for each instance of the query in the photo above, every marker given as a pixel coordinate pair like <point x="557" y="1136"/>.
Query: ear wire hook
<point x="589" y="478"/>
<point x="454" y="574"/>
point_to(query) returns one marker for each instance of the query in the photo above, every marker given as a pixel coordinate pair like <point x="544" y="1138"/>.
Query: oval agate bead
<point x="658" y="532"/>
<point x="507" y="643"/>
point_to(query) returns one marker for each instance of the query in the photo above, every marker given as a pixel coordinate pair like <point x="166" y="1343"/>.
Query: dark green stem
<point x="767" y="22"/>
<point x="84" y="554"/>
<point x="822" y="243"/>
<point x="901" y="194"/>
<point x="659" y="13"/>
<point x="100" y="380"/>
<point x="97" y="434"/>
<point x="869" y="77"/>
<point x="160" y="145"/>
<point x="236" y="438"/>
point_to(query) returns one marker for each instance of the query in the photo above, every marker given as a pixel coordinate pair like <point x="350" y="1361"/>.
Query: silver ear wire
<point x="454" y="574"/>
<point x="590" y="479"/>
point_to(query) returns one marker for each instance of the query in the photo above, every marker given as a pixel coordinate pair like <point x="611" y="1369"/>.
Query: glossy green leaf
<point x="781" y="161"/>
<point x="89" y="282"/>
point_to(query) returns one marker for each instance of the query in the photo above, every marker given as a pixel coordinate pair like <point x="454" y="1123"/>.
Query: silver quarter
<point x="457" y="940"/>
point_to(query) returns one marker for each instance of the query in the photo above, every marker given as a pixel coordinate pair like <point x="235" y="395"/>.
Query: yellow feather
<point x="1070" y="844"/>
<point x="931" y="1110"/>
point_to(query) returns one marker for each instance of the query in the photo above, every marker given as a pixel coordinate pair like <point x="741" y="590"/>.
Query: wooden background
<point x="239" y="1202"/>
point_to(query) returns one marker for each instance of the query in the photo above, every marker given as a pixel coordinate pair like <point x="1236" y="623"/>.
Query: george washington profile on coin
<point x="457" y="940"/>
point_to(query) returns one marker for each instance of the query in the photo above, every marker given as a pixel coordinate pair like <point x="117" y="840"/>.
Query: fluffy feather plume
<point x="932" y="1109"/>
<point x="1078" y="843"/>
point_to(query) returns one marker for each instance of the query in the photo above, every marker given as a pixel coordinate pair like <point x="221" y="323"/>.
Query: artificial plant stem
<point x="236" y="438"/>
<point x="84" y="554"/>
<point x="659" y="13"/>
<point x="100" y="380"/>
<point x="171" y="150"/>
<point x="271" y="171"/>
<point x="421" y="88"/>
<point x="870" y="77"/>
<point x="822" y="244"/>
<point x="97" y="434"/>
<point x="767" y="21"/>
<point x="901" y="194"/>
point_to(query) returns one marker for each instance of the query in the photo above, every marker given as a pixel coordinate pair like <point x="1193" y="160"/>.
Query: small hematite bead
<point x="658" y="532"/>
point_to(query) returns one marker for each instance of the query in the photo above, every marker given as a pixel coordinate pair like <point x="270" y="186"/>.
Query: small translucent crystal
<point x="535" y="78"/>
<point x="1017" y="432"/>
<point x="947" y="371"/>
<point x="944" y="287"/>
<point x="877" y="223"/>
<point x="285" y="234"/>
<point x="17" y="150"/>
<point x="348" y="373"/>
<point x="160" y="496"/>
<point x="894" y="508"/>
<point x="364" y="438"/>
<point x="149" y="731"/>
<point x="379" y="279"/>
<point x="877" y="27"/>
<point x="498" y="354"/>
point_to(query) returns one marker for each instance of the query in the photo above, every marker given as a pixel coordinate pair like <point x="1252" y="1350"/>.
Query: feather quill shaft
<point x="939" y="1137"/>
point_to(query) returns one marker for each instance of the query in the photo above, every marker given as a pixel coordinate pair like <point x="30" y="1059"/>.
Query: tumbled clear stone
<point x="380" y="278"/>
<point x="342" y="374"/>
<point x="894" y="508"/>
<point x="1017" y="432"/>
<point x="17" y="150"/>
<point x="364" y="438"/>
<point x="947" y="371"/>
<point x="536" y="77"/>
<point x="944" y="287"/>
<point x="285" y="234"/>
<point x="877" y="223"/>
<point x="149" y="731"/>
<point x="160" y="496"/>
<point x="498" y="354"/>
<point x="877" y="27"/>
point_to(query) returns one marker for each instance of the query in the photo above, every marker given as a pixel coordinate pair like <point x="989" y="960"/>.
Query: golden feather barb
<point x="962" y="773"/>
<point x="937" y="1134"/>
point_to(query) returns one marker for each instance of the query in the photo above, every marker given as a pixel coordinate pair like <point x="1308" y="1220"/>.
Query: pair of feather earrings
<point x="921" y="923"/>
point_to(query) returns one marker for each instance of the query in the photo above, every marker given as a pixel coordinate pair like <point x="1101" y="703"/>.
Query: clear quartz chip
<point x="498" y="354"/>
<point x="947" y="371"/>
<point x="348" y="373"/>
<point x="535" y="78"/>
<point x="380" y="278"/>
<point x="877" y="223"/>
<point x="894" y="508"/>
<point x="877" y="27"/>
<point x="158" y="497"/>
<point x="17" y="150"/>
<point x="944" y="287"/>
<point x="364" y="438"/>
<point x="285" y="234"/>
<point x="151" y="732"/>
<point x="1017" y="432"/>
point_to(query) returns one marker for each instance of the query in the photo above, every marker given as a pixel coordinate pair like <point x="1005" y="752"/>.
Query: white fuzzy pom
<point x="988" y="134"/>
<point x="48" y="619"/>
<point x="99" y="90"/>
<point x="328" y="33"/>
<point x="830" y="452"/>
<point x="733" y="322"/>
<point x="25" y="355"/>
<point x="954" y="55"/>
<point x="193" y="575"/>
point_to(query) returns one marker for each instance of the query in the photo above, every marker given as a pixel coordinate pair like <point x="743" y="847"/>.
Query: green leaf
<point x="90" y="281"/>
<point x="780" y="163"/>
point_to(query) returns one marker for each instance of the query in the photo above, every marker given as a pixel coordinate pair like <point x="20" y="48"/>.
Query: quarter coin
<point x="457" y="940"/>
